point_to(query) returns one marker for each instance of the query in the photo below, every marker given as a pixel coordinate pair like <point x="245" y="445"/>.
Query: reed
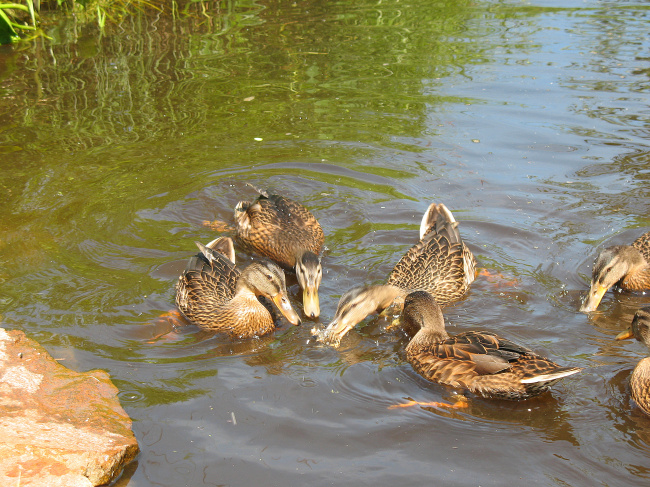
<point x="19" y="17"/>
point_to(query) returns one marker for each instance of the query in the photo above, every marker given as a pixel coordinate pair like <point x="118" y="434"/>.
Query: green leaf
<point x="7" y="32"/>
<point x="14" y="5"/>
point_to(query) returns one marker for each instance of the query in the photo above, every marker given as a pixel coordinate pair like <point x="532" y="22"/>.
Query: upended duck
<point x="479" y="361"/>
<point x="288" y="233"/>
<point x="216" y="296"/>
<point x="640" y="378"/>
<point x="626" y="266"/>
<point x="440" y="263"/>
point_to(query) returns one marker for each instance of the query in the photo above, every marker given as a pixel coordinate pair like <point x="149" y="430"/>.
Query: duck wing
<point x="488" y="365"/>
<point x="436" y="265"/>
<point x="440" y="263"/>
<point x="207" y="283"/>
<point x="642" y="244"/>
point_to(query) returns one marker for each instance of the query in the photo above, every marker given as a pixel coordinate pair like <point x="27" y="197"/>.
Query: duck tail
<point x="553" y="376"/>
<point x="242" y="222"/>
<point x="220" y="245"/>
<point x="260" y="191"/>
<point x="436" y="218"/>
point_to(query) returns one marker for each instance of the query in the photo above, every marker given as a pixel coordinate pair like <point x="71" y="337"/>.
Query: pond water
<point x="529" y="120"/>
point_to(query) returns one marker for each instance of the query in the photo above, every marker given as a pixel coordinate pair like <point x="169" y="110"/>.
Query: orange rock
<point x="57" y="426"/>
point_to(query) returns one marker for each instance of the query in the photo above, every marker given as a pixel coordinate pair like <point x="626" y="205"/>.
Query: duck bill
<point x="310" y="302"/>
<point x="624" y="335"/>
<point x="282" y="303"/>
<point x="593" y="299"/>
<point x="335" y="331"/>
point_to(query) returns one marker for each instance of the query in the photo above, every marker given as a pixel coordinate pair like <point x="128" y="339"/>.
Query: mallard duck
<point x="440" y="263"/>
<point x="478" y="361"/>
<point x="286" y="232"/>
<point x="640" y="378"/>
<point x="214" y="295"/>
<point x="627" y="266"/>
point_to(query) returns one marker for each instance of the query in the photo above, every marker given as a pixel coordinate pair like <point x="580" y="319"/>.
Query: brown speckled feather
<point x="206" y="295"/>
<point x="278" y="228"/>
<point x="484" y="364"/>
<point x="479" y="361"/>
<point x="439" y="263"/>
<point x="642" y="244"/>
<point x="639" y="280"/>
<point x="640" y="384"/>
<point x="217" y="279"/>
<point x="640" y="378"/>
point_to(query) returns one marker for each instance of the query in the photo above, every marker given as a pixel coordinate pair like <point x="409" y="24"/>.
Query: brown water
<point x="531" y="121"/>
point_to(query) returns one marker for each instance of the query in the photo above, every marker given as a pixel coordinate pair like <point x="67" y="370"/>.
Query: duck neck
<point x="305" y="256"/>
<point x="387" y="295"/>
<point x="244" y="287"/>
<point x="425" y="339"/>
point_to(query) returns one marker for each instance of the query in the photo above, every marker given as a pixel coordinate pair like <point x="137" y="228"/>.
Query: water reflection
<point x="527" y="120"/>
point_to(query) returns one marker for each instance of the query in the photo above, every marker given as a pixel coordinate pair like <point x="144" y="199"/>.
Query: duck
<point x="439" y="263"/>
<point x="640" y="378"/>
<point x="478" y="361"/>
<point x="286" y="232"/>
<point x="216" y="296"/>
<point x="625" y="266"/>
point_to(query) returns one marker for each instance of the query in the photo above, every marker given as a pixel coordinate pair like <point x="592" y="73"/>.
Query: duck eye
<point x="269" y="277"/>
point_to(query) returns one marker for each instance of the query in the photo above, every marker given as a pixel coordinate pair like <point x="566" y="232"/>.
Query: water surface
<point x="529" y="120"/>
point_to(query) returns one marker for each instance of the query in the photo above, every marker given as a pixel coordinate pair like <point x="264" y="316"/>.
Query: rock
<point x="57" y="427"/>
